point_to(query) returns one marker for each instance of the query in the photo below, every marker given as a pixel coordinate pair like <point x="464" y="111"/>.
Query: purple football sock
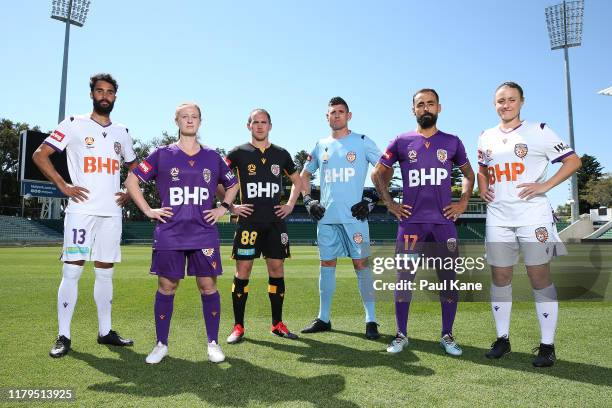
<point x="164" y="304"/>
<point x="211" y="309"/>
<point x="448" y="302"/>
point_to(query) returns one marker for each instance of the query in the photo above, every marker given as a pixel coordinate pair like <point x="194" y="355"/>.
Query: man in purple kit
<point x="186" y="176"/>
<point x="427" y="214"/>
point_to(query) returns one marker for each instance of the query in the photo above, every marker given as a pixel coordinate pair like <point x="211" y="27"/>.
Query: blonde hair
<point x="184" y="105"/>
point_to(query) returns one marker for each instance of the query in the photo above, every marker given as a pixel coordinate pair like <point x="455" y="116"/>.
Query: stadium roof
<point x="607" y="91"/>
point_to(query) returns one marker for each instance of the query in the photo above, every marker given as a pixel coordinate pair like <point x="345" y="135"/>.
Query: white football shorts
<point x="91" y="238"/>
<point x="538" y="243"/>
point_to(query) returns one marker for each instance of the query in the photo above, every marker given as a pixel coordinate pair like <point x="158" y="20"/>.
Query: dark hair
<point x="511" y="84"/>
<point x="433" y="91"/>
<point x="259" y="110"/>
<point x="336" y="100"/>
<point x="102" y="77"/>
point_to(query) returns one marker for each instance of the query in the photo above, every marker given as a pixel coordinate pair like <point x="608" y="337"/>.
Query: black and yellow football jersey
<point x="260" y="172"/>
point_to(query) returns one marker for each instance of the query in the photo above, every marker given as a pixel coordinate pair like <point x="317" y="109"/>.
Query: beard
<point x="103" y="110"/>
<point x="427" y="120"/>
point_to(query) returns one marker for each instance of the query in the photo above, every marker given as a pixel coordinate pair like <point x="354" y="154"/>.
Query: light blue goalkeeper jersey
<point x="343" y="165"/>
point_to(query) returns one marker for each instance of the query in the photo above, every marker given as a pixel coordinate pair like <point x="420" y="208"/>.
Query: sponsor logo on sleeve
<point x="561" y="147"/>
<point x="145" y="167"/>
<point x="228" y="161"/>
<point x="309" y="158"/>
<point x="229" y="175"/>
<point x="57" y="135"/>
<point x="387" y="155"/>
<point x="480" y="156"/>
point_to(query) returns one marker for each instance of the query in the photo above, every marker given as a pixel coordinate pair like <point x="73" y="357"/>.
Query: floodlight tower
<point x="564" y="23"/>
<point x="70" y="12"/>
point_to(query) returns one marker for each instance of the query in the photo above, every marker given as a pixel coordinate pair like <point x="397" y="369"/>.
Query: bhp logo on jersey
<point x="186" y="195"/>
<point x="342" y="175"/>
<point x="94" y="164"/>
<point x="423" y="177"/>
<point x="260" y="189"/>
<point x="509" y="172"/>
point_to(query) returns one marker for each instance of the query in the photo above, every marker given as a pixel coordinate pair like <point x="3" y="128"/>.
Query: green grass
<point x="337" y="369"/>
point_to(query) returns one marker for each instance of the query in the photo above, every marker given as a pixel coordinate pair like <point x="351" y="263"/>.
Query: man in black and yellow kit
<point x="259" y="166"/>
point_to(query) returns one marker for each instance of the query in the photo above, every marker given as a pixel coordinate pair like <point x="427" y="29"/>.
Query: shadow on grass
<point x="518" y="361"/>
<point x="235" y="382"/>
<point x="568" y="370"/>
<point x="336" y="354"/>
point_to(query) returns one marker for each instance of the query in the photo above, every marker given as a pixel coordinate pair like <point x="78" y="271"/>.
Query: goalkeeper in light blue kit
<point x="342" y="230"/>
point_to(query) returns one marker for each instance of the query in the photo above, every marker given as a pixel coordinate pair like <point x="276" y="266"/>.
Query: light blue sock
<point x="366" y="289"/>
<point x="327" y="287"/>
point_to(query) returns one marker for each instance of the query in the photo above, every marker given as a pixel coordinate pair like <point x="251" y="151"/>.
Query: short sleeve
<point x="61" y="136"/>
<point x="312" y="161"/>
<point x="460" y="158"/>
<point x="373" y="153"/>
<point x="226" y="176"/>
<point x="231" y="158"/>
<point x="289" y="163"/>
<point x="552" y="145"/>
<point x="389" y="157"/>
<point x="127" y="150"/>
<point x="147" y="169"/>
<point x="482" y="157"/>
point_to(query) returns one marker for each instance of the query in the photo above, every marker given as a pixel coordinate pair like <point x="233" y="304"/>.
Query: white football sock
<point x="501" y="306"/>
<point x="547" y="308"/>
<point x="67" y="297"/>
<point x="103" y="295"/>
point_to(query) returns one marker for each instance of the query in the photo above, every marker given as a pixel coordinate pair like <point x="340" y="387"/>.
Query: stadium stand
<point x="18" y="231"/>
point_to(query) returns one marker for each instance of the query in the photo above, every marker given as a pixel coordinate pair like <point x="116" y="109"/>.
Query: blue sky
<point x="292" y="57"/>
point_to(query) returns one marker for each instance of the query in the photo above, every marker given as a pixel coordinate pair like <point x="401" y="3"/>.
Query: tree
<point x="300" y="160"/>
<point x="563" y="210"/>
<point x="599" y="192"/>
<point x="9" y="160"/>
<point x="591" y="170"/>
<point x="456" y="176"/>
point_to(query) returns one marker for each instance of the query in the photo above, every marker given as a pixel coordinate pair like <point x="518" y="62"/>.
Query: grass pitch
<point x="336" y="369"/>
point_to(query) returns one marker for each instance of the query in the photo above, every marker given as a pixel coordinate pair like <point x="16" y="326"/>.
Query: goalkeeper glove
<point x="315" y="210"/>
<point x="365" y="206"/>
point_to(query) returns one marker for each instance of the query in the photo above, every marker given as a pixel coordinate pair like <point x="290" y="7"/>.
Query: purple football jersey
<point x="187" y="184"/>
<point x="426" y="165"/>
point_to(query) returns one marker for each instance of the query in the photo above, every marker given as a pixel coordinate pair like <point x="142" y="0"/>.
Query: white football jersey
<point x="94" y="154"/>
<point x="519" y="156"/>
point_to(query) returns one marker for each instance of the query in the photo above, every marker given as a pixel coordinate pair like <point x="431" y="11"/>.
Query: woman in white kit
<point x="513" y="158"/>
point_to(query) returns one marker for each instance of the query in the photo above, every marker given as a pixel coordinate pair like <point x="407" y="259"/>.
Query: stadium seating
<point x="300" y="232"/>
<point x="17" y="230"/>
